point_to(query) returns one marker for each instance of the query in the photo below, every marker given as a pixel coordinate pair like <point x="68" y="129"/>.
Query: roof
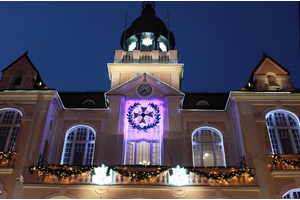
<point x="83" y="99"/>
<point x="261" y="61"/>
<point x="38" y="79"/>
<point x="216" y="101"/>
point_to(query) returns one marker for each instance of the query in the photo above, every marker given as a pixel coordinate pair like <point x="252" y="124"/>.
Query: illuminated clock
<point x="144" y="89"/>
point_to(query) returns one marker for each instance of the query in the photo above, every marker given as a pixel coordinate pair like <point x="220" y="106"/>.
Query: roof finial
<point x="148" y="8"/>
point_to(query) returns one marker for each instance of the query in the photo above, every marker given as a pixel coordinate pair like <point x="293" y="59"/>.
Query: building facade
<point x="144" y="138"/>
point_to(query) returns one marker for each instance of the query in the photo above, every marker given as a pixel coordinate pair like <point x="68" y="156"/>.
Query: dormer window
<point x="18" y="79"/>
<point x="272" y="81"/>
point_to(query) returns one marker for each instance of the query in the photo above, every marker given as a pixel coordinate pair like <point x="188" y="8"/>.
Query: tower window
<point x="283" y="128"/>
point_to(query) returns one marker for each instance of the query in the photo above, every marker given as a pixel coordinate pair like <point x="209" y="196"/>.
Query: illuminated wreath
<point x="151" y="111"/>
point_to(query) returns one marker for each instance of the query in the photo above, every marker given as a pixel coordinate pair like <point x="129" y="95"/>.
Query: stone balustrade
<point x="138" y="56"/>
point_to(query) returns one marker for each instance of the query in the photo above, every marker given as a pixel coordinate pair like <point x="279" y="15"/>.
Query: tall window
<point x="292" y="194"/>
<point x="143" y="146"/>
<point x="79" y="146"/>
<point x="283" y="128"/>
<point x="10" y="122"/>
<point x="207" y="144"/>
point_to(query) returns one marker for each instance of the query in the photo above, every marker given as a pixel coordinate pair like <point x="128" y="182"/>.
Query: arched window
<point x="283" y="128"/>
<point x="10" y="120"/>
<point x="208" y="148"/>
<point x="292" y="194"/>
<point x="79" y="146"/>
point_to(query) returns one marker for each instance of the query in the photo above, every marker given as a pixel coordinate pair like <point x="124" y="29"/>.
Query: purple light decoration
<point x="143" y="114"/>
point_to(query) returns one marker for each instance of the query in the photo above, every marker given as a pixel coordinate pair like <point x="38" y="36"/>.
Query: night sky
<point x="219" y="43"/>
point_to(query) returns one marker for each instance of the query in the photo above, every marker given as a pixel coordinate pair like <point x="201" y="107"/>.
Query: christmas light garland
<point x="222" y="176"/>
<point x="135" y="172"/>
<point x="8" y="154"/>
<point x="62" y="172"/>
<point x="139" y="175"/>
<point x="146" y="127"/>
<point x="277" y="159"/>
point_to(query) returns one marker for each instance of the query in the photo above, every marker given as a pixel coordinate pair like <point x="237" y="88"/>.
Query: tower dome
<point x="147" y="32"/>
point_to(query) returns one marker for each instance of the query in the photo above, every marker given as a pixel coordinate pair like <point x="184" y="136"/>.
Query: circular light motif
<point x="147" y="41"/>
<point x="143" y="118"/>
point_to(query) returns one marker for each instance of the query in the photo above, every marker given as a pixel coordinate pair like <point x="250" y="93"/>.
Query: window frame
<point x="279" y="126"/>
<point x="75" y="140"/>
<point x="290" y="194"/>
<point x="198" y="159"/>
<point x="12" y="124"/>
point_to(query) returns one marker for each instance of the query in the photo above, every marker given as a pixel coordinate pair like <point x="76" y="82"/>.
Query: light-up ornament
<point x="100" y="176"/>
<point x="162" y="46"/>
<point x="179" y="176"/>
<point x="147" y="41"/>
<point x="143" y="118"/>
<point x="132" y="46"/>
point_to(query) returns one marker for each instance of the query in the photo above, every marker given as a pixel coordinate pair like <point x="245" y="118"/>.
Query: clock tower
<point x="147" y="46"/>
<point x="145" y="94"/>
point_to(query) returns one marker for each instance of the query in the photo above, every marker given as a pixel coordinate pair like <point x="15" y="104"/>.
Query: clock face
<point x="144" y="89"/>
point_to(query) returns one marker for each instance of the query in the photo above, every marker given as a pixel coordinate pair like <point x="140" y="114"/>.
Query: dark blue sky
<point x="220" y="43"/>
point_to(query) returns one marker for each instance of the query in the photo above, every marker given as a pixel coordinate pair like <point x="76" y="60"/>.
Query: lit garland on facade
<point x="130" y="117"/>
<point x="62" y="172"/>
<point x="178" y="176"/>
<point x="139" y="175"/>
<point x="222" y="176"/>
<point x="8" y="154"/>
<point x="277" y="159"/>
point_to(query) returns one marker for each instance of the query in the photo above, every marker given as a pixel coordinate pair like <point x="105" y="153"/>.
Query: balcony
<point x="6" y="161"/>
<point x="138" y="56"/>
<point x="141" y="175"/>
<point x="286" y="165"/>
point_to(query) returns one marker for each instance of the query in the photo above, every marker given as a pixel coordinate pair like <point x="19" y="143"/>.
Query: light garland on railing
<point x="61" y="173"/>
<point x="277" y="158"/>
<point x="222" y="176"/>
<point x="8" y="154"/>
<point x="178" y="176"/>
<point x="139" y="175"/>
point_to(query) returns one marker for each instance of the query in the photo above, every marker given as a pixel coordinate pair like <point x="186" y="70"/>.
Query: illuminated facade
<point x="144" y="138"/>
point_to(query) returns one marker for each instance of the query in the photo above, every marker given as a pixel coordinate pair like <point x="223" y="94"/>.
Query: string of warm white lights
<point x="139" y="174"/>
<point x="221" y="176"/>
<point x="278" y="159"/>
<point x="7" y="154"/>
<point x="61" y="172"/>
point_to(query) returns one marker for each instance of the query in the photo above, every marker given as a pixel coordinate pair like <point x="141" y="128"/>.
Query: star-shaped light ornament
<point x="147" y="41"/>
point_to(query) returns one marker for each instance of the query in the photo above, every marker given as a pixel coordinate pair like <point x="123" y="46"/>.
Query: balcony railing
<point x="138" y="56"/>
<point x="149" y="175"/>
